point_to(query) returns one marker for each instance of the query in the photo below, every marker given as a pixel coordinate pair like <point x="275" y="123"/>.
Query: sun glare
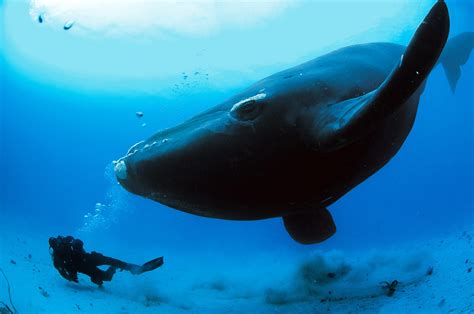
<point x="130" y="16"/>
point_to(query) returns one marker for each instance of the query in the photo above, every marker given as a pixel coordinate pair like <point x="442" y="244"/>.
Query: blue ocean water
<point x="68" y="104"/>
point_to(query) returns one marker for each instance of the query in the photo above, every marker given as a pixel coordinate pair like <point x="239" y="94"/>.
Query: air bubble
<point x="68" y="25"/>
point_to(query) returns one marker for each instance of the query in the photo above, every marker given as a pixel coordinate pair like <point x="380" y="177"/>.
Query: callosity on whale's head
<point x="295" y="142"/>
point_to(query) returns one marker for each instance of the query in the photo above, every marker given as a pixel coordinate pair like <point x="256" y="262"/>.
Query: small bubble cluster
<point x="107" y="213"/>
<point x="191" y="80"/>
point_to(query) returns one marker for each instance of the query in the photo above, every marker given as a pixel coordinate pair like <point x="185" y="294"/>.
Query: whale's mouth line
<point x="131" y="151"/>
<point x="135" y="149"/>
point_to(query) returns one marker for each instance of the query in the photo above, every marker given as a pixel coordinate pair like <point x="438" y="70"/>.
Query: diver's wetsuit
<point x="70" y="258"/>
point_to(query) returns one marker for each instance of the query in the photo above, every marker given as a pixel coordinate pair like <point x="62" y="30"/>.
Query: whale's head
<point x="216" y="157"/>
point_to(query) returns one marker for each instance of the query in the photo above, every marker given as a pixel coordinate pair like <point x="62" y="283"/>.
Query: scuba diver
<point x="70" y="258"/>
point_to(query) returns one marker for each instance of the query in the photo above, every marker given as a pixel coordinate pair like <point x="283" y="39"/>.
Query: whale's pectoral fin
<point x="354" y="118"/>
<point x="310" y="227"/>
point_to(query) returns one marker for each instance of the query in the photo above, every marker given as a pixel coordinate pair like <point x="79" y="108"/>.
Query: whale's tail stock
<point x="454" y="55"/>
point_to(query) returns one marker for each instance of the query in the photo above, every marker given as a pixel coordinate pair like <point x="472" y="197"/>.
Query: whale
<point x="292" y="144"/>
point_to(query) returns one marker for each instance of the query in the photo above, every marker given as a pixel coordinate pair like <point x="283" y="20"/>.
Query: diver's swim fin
<point x="153" y="264"/>
<point x="310" y="227"/>
<point x="148" y="266"/>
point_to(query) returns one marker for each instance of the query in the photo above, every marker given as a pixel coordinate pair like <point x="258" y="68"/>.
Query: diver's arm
<point x="73" y="276"/>
<point x="70" y="275"/>
<point x="63" y="270"/>
<point x="59" y="265"/>
<point x="67" y="274"/>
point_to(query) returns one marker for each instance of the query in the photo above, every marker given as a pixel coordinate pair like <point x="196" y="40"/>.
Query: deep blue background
<point x="56" y="143"/>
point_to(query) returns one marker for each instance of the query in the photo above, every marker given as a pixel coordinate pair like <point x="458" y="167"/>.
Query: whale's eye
<point x="245" y="111"/>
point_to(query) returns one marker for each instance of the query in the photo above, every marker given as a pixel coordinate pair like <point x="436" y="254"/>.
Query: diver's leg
<point x="98" y="259"/>
<point x="109" y="273"/>
<point x="98" y="276"/>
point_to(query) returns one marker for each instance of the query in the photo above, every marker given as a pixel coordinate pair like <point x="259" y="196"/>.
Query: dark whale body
<point x="295" y="142"/>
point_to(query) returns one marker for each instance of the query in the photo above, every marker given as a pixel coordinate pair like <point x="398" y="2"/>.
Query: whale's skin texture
<point x="214" y="165"/>
<point x="294" y="142"/>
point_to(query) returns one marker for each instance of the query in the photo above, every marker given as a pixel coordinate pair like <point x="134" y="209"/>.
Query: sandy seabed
<point x="433" y="277"/>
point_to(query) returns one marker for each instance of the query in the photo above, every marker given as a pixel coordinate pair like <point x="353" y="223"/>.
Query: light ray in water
<point x="190" y="17"/>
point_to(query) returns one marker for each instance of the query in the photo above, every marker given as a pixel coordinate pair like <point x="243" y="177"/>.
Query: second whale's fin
<point x="454" y="55"/>
<point x="356" y="117"/>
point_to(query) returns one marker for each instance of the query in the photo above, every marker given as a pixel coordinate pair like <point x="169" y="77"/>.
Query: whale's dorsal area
<point x="295" y="142"/>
